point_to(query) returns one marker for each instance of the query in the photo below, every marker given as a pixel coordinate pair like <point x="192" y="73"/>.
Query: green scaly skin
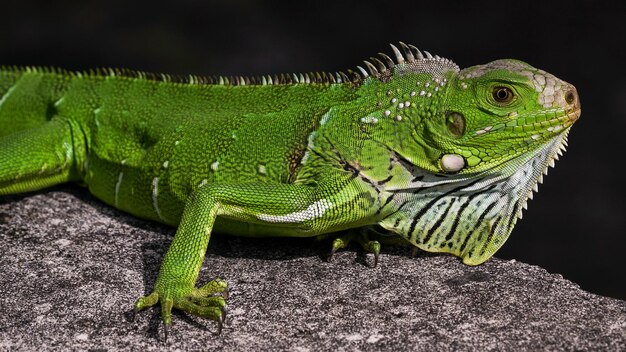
<point x="444" y="158"/>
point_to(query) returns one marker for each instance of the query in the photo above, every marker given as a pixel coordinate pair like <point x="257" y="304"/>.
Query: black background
<point x="575" y="226"/>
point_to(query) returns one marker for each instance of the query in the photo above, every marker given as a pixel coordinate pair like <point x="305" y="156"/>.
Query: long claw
<point x="340" y="243"/>
<point x="219" y="327"/>
<point x="414" y="252"/>
<point x="224" y="315"/>
<point x="372" y="247"/>
<point x="331" y="254"/>
<point x="165" y="329"/>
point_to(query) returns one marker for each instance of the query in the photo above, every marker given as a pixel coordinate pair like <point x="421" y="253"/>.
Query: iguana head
<point x="493" y="113"/>
<point x="472" y="120"/>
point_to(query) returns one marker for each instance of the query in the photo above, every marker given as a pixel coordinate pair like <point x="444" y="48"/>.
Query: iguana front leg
<point x="301" y="208"/>
<point x="175" y="285"/>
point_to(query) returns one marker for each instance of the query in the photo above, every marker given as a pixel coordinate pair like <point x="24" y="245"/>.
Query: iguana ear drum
<point x="456" y="124"/>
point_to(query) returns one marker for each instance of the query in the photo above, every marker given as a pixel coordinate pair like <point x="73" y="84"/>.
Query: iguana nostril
<point x="570" y="97"/>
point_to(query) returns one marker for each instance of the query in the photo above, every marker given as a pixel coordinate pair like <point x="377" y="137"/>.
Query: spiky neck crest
<point x="409" y="60"/>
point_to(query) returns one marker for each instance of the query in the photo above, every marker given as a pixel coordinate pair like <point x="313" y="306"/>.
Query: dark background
<point x="575" y="226"/>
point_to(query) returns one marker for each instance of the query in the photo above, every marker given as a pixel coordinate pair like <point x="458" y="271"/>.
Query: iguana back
<point x="145" y="134"/>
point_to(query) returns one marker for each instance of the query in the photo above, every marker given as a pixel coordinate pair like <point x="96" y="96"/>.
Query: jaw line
<point x="572" y="116"/>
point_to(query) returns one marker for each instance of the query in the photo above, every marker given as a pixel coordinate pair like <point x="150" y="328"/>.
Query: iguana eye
<point x="456" y="124"/>
<point x="502" y="94"/>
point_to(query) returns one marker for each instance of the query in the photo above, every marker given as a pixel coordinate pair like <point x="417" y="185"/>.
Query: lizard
<point x="443" y="158"/>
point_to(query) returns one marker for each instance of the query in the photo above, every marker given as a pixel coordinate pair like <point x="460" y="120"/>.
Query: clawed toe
<point x="209" y="301"/>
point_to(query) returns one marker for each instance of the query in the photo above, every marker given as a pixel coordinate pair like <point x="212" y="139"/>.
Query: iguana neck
<point x="469" y="215"/>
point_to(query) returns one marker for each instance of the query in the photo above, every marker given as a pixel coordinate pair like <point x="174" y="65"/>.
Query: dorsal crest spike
<point x="356" y="77"/>
<point x="407" y="52"/>
<point x="418" y="53"/>
<point x="363" y="72"/>
<point x="373" y="70"/>
<point x="399" y="57"/>
<point x="389" y="62"/>
<point x="381" y="65"/>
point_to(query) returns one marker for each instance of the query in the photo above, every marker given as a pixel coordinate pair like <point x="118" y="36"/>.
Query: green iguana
<point x="444" y="158"/>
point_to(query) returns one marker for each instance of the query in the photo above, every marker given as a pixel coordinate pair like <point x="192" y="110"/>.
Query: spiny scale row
<point x="409" y="53"/>
<point x="375" y="67"/>
<point x="307" y="78"/>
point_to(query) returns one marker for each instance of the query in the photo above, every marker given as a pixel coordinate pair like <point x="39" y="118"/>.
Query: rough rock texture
<point x="70" y="269"/>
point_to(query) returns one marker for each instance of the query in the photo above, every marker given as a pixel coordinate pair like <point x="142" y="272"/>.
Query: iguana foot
<point x="208" y="301"/>
<point x="362" y="238"/>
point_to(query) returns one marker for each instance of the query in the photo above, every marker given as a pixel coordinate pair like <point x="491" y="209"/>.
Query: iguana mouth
<point x="572" y="116"/>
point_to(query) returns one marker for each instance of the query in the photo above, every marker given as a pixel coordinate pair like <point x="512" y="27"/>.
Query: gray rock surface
<point x="71" y="267"/>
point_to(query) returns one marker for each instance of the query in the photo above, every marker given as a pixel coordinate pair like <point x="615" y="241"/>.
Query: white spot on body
<point x="387" y="112"/>
<point x="117" y="188"/>
<point x="155" y="197"/>
<point x="215" y="165"/>
<point x="369" y="119"/>
<point x="166" y="164"/>
<point x="58" y="102"/>
<point x="413" y="93"/>
<point x="96" y="114"/>
<point x="262" y="169"/>
<point x="313" y="211"/>
<point x="204" y="182"/>
<point x="309" y="146"/>
<point x="325" y="118"/>
<point x="7" y="94"/>
<point x="401" y="106"/>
